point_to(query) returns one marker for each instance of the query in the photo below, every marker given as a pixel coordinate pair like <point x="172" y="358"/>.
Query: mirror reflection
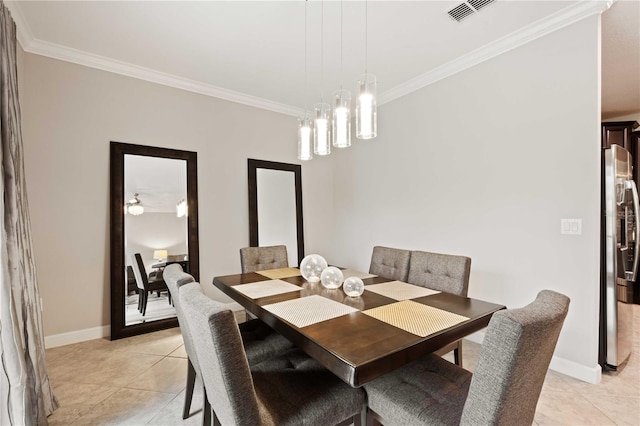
<point x="155" y="233"/>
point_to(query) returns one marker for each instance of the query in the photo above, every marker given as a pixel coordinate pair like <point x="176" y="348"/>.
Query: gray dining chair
<point x="259" y="341"/>
<point x="503" y="390"/>
<point x="291" y="389"/>
<point x="254" y="259"/>
<point x="390" y="263"/>
<point x="443" y="272"/>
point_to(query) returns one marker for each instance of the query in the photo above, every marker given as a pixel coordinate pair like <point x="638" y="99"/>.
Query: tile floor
<point x="140" y="381"/>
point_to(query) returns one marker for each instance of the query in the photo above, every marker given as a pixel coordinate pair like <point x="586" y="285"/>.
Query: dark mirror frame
<point x="118" y="150"/>
<point x="253" y="165"/>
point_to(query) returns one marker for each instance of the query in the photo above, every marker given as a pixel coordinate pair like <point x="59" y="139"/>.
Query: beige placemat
<point x="353" y="273"/>
<point x="415" y="317"/>
<point x="309" y="310"/>
<point x="399" y="290"/>
<point x="275" y="274"/>
<point x="266" y="288"/>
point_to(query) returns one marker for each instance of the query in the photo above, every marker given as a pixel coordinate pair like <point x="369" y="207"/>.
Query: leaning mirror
<point x="275" y="207"/>
<point x="154" y="222"/>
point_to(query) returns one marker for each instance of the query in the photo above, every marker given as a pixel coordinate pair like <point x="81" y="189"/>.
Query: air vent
<point x="468" y="8"/>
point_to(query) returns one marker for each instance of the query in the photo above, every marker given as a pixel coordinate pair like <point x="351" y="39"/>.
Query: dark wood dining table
<point x="357" y="347"/>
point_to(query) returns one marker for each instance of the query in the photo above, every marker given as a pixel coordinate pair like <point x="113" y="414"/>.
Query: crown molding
<point x="39" y="47"/>
<point x="560" y="19"/>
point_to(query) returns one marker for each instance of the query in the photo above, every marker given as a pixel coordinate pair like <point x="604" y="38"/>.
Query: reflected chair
<point x="254" y="259"/>
<point x="503" y="390"/>
<point x="291" y="389"/>
<point x="443" y="272"/>
<point x="132" y="284"/>
<point x="390" y="263"/>
<point x="259" y="341"/>
<point x="146" y="286"/>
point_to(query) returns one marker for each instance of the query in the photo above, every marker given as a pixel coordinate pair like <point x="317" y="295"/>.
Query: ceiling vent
<point x="467" y="8"/>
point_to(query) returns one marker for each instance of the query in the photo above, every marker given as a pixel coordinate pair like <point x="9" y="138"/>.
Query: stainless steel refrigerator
<point x="620" y="256"/>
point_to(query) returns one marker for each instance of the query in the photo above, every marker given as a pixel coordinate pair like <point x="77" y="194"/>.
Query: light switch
<point x="571" y="226"/>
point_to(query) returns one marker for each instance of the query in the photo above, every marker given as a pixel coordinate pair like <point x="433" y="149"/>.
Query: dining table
<point x="357" y="338"/>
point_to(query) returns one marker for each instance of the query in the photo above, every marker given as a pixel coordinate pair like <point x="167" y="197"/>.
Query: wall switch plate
<point x="571" y="226"/>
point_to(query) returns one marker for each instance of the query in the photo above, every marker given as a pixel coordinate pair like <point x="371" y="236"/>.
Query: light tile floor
<point x="141" y="380"/>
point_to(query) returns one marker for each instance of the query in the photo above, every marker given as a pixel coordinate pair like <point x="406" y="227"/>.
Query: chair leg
<point x="457" y="354"/>
<point x="206" y="410"/>
<point x="139" y="301"/>
<point x="144" y="303"/>
<point x="191" y="382"/>
<point x="372" y="418"/>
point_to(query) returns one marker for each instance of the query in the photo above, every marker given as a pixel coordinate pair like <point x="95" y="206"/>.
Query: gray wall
<point x="485" y="164"/>
<point x="71" y="112"/>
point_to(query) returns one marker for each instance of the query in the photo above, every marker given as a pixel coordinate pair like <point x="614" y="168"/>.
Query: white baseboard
<point x="77" y="336"/>
<point x="560" y="365"/>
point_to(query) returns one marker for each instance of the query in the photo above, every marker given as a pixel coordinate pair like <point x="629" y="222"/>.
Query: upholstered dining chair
<point x="443" y="272"/>
<point x="503" y="390"/>
<point x="254" y="259"/>
<point x="259" y="341"/>
<point x="390" y="263"/>
<point x="291" y="389"/>
<point x="145" y="285"/>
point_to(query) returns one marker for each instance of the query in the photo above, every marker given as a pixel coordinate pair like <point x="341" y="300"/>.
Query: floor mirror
<point x="275" y="207"/>
<point x="154" y="223"/>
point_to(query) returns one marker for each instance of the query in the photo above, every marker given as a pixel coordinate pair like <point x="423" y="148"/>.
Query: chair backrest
<point x="140" y="272"/>
<point x="223" y="362"/>
<point x="175" y="278"/>
<point x="444" y="272"/>
<point x="262" y="258"/>
<point x="390" y="263"/>
<point x="514" y="358"/>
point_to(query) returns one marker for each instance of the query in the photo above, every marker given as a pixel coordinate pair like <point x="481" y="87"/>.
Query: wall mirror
<point x="275" y="207"/>
<point x="154" y="222"/>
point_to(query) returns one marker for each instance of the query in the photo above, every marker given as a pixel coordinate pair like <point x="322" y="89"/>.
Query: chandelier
<point x="134" y="206"/>
<point x="332" y="123"/>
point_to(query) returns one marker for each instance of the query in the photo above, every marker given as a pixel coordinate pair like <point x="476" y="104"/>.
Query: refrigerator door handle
<point x="636" y="209"/>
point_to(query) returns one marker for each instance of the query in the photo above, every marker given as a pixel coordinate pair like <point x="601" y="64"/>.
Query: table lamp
<point x="160" y="255"/>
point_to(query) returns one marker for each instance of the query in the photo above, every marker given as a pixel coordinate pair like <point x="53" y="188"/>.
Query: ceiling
<point x="253" y="51"/>
<point x="159" y="182"/>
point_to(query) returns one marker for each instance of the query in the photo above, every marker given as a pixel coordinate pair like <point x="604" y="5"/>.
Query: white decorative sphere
<point x="332" y="277"/>
<point x="312" y="266"/>
<point x="353" y="287"/>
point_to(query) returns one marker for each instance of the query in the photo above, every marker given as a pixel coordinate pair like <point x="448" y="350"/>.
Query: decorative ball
<point x="312" y="266"/>
<point x="332" y="277"/>
<point x="353" y="287"/>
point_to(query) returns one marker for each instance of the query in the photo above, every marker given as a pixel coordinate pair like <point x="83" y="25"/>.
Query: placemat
<point x="415" y="317"/>
<point x="266" y="288"/>
<point x="309" y="310"/>
<point x="353" y="273"/>
<point x="399" y="290"/>
<point x="275" y="274"/>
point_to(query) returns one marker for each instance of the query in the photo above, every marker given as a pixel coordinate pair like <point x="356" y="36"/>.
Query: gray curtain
<point x="25" y="391"/>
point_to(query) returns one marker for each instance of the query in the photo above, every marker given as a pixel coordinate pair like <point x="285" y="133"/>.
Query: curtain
<point x="25" y="391"/>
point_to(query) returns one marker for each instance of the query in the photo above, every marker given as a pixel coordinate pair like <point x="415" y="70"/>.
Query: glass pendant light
<point x="342" y="119"/>
<point x="341" y="105"/>
<point x="322" y="130"/>
<point x="366" y="107"/>
<point x="304" y="139"/>
<point x="322" y="122"/>
<point x="304" y="124"/>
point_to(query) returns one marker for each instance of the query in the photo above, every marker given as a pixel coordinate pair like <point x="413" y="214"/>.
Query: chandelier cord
<point x="305" y="58"/>
<point x="341" y="42"/>
<point x="366" y="35"/>
<point x="321" y="51"/>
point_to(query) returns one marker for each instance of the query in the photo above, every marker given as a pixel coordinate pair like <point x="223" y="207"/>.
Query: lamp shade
<point x="342" y="119"/>
<point x="160" y="254"/>
<point x="322" y="130"/>
<point x="305" y="144"/>
<point x="366" y="108"/>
